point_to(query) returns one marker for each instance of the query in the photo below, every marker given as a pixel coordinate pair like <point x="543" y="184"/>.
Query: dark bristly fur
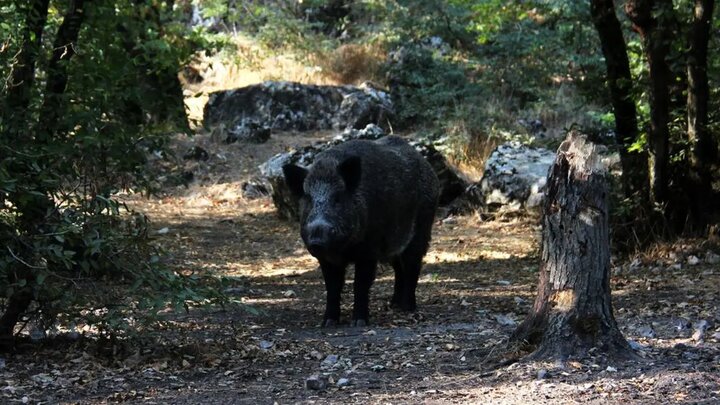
<point x="365" y="202"/>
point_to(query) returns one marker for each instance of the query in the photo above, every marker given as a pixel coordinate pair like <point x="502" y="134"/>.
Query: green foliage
<point x="80" y="254"/>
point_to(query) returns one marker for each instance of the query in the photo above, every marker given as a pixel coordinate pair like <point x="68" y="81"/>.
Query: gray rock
<point x="712" y="258"/>
<point x="504" y="320"/>
<point x="293" y="106"/>
<point x="196" y="153"/>
<point x="249" y="132"/>
<point x="636" y="346"/>
<point x="255" y="188"/>
<point x="329" y="361"/>
<point x="700" y="328"/>
<point x="515" y="177"/>
<point x="343" y="382"/>
<point x="646" y="332"/>
<point x="316" y="383"/>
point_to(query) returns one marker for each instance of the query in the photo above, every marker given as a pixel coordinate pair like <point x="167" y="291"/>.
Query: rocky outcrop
<point x="514" y="177"/>
<point x="451" y="184"/>
<point x="286" y="106"/>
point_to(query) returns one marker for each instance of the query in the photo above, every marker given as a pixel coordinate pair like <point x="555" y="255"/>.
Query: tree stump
<point x="572" y="312"/>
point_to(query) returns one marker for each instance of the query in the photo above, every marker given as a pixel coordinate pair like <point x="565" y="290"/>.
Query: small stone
<point x="505" y="320"/>
<point x="235" y="291"/>
<point x="647" y="332"/>
<point x="255" y="189"/>
<point x="329" y="361"/>
<point x="611" y="369"/>
<point x="289" y="294"/>
<point x="316" y="383"/>
<point x="37" y="334"/>
<point x="693" y="260"/>
<point x="249" y="132"/>
<point x="542" y="374"/>
<point x="163" y="231"/>
<point x="682" y="324"/>
<point x="377" y="367"/>
<point x="712" y="258"/>
<point x="25" y="400"/>
<point x="266" y="344"/>
<point x="503" y="282"/>
<point x="343" y="382"/>
<point x="700" y="329"/>
<point x="196" y="153"/>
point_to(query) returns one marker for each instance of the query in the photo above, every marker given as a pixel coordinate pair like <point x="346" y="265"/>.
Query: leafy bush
<point x="70" y="249"/>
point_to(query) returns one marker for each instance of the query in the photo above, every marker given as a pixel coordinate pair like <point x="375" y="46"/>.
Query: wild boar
<point x="365" y="202"/>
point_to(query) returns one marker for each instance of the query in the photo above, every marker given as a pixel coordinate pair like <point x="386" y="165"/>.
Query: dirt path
<point x="478" y="282"/>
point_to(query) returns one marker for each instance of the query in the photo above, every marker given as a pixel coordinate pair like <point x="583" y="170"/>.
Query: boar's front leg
<point x="334" y="276"/>
<point x="364" y="277"/>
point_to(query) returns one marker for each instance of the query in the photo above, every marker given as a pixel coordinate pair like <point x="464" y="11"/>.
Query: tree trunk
<point x="573" y="312"/>
<point x="703" y="150"/>
<point x="157" y="80"/>
<point x="17" y="305"/>
<point x="57" y="76"/>
<point x="634" y="165"/>
<point x="655" y="36"/>
<point x="22" y="75"/>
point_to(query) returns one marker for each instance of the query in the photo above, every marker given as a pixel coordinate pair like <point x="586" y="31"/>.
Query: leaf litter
<point x="478" y="282"/>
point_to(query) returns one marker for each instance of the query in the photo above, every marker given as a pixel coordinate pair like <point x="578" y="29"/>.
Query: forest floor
<point x="478" y="282"/>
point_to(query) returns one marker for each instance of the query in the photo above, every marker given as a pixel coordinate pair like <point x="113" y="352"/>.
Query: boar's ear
<point x="350" y="170"/>
<point x="294" y="177"/>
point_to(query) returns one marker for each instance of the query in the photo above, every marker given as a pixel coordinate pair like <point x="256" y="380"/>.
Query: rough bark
<point x="17" y="304"/>
<point x="703" y="150"/>
<point x="22" y="75"/>
<point x="651" y="19"/>
<point x="57" y="75"/>
<point x="573" y="312"/>
<point x="614" y="48"/>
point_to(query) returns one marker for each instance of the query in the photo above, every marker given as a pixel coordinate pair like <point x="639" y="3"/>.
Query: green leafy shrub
<point x="71" y="250"/>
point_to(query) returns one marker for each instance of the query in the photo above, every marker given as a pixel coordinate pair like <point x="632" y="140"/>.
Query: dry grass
<point x="353" y="63"/>
<point x="251" y="64"/>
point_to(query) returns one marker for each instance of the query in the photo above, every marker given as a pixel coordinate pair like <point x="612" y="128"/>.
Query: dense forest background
<point x="92" y="90"/>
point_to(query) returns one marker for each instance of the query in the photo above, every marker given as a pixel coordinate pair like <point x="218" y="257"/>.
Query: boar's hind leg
<point x="334" y="280"/>
<point x="407" y="266"/>
<point x="399" y="285"/>
<point x="364" y="277"/>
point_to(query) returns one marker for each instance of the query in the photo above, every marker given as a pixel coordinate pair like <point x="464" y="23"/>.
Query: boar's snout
<point x="319" y="237"/>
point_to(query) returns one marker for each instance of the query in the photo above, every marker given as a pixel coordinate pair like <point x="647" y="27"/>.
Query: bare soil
<point x="478" y="282"/>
